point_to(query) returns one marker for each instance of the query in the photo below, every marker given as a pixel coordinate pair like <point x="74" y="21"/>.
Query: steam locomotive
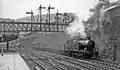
<point x="81" y="48"/>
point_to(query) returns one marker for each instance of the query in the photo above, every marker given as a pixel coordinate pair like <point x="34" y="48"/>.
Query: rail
<point x="88" y="64"/>
<point x="34" y="61"/>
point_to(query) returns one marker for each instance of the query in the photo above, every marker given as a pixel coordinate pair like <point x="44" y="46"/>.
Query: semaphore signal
<point x="49" y="8"/>
<point x="40" y="13"/>
<point x="32" y="16"/>
<point x="57" y="14"/>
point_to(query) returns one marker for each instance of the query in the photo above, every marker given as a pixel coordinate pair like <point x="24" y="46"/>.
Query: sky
<point x="17" y="8"/>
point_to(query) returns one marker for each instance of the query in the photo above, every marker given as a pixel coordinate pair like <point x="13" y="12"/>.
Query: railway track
<point x="99" y="65"/>
<point x="80" y="65"/>
<point x="51" y="61"/>
<point x="67" y="63"/>
<point x="106" y="63"/>
<point x="32" y="63"/>
<point x="38" y="62"/>
<point x="91" y="65"/>
<point x="59" y="64"/>
<point x="42" y="61"/>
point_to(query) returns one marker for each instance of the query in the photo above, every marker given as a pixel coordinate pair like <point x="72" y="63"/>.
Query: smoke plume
<point x="77" y="27"/>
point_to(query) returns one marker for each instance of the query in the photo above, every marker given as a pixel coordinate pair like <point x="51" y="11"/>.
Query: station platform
<point x="12" y="61"/>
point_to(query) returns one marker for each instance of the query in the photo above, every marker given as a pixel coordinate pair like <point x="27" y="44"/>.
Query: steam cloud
<point x="77" y="27"/>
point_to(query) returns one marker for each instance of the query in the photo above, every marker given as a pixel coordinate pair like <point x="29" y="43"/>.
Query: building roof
<point x="111" y="7"/>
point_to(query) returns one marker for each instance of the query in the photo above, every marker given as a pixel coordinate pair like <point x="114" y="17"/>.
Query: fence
<point x="49" y="47"/>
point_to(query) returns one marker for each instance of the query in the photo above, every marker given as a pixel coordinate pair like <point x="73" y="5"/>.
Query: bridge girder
<point x="32" y="27"/>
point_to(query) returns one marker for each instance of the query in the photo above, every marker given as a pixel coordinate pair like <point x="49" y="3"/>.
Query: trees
<point x="101" y="19"/>
<point x="94" y="20"/>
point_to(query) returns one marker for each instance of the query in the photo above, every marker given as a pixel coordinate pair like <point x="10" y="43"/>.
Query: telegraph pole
<point x="40" y="11"/>
<point x="49" y="8"/>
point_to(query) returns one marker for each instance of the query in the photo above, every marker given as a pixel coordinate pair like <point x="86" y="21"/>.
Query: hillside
<point x="45" y="38"/>
<point x="5" y="19"/>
